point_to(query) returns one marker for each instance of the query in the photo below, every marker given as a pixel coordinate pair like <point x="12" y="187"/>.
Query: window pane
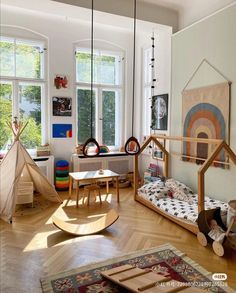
<point x="83" y="67"/>
<point x="109" y="121"/>
<point x="7" y="57"/>
<point x="28" y="61"/>
<point x="104" y="71"/>
<point x="30" y="111"/>
<point x="147" y="66"/>
<point x="106" y="66"/>
<point x="84" y="115"/>
<point x="5" y="113"/>
<point x="147" y="110"/>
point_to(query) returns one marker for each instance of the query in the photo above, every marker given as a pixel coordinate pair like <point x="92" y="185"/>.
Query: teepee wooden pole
<point x="11" y="127"/>
<point x="20" y="130"/>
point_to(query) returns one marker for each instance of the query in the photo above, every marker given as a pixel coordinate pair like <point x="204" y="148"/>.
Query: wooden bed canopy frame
<point x="220" y="145"/>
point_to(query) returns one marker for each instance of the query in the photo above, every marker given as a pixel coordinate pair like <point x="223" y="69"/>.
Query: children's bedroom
<point x="117" y="146"/>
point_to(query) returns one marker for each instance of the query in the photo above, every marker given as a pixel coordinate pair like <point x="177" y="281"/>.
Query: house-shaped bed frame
<point x="157" y="139"/>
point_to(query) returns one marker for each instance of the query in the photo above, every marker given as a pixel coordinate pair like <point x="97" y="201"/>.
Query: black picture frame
<point x="62" y="106"/>
<point x="159" y="112"/>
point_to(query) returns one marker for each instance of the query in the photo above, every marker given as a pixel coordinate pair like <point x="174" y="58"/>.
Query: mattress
<point x="181" y="209"/>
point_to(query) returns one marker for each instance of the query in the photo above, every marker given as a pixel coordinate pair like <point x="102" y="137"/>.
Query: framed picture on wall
<point x="159" y="112"/>
<point x="157" y="153"/>
<point x="61" y="130"/>
<point x="61" y="106"/>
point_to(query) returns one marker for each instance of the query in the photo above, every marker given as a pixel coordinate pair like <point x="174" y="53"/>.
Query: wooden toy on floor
<point x="212" y="230"/>
<point x="62" y="175"/>
<point x="140" y="280"/>
<point x="88" y="228"/>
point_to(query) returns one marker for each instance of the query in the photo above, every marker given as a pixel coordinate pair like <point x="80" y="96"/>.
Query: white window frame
<point x="99" y="88"/>
<point x="16" y="81"/>
<point x="147" y="92"/>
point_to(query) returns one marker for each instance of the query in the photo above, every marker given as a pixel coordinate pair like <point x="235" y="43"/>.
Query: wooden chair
<point x="94" y="188"/>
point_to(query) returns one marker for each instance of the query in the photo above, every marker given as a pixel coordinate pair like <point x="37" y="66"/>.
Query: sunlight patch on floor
<point x="40" y="240"/>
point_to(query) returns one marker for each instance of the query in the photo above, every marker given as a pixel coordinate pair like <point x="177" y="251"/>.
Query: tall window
<point x="107" y="97"/>
<point x="22" y="88"/>
<point x="147" y="95"/>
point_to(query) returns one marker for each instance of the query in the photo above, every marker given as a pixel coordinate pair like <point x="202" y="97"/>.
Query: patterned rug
<point x="165" y="260"/>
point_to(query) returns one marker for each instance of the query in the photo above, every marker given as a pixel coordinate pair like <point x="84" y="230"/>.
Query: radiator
<point x="117" y="164"/>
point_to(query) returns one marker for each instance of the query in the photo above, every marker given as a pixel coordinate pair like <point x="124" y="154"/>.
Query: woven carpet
<point x="165" y="260"/>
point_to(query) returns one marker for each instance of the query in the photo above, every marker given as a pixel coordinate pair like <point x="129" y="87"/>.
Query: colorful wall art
<point x="61" y="81"/>
<point x="61" y="106"/>
<point x="205" y="114"/>
<point x="159" y="112"/>
<point x="61" y="130"/>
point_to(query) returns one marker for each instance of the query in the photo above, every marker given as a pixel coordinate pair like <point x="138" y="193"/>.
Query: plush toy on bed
<point x="179" y="190"/>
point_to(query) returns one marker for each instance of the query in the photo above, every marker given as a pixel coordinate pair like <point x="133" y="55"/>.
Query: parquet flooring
<point x="32" y="247"/>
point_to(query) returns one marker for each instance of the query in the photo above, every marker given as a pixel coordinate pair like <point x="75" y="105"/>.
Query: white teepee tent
<point x="18" y="166"/>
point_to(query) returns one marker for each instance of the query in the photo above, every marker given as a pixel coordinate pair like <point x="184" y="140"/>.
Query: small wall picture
<point x="61" y="81"/>
<point x="61" y="130"/>
<point x="61" y="106"/>
<point x="157" y="154"/>
<point x="159" y="112"/>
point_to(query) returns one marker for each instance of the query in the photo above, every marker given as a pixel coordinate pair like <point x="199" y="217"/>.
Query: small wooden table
<point x="91" y="175"/>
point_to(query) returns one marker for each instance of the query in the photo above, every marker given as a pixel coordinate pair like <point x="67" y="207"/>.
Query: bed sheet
<point x="182" y="209"/>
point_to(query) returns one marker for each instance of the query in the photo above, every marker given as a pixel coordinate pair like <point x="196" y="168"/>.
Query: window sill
<point x="110" y="154"/>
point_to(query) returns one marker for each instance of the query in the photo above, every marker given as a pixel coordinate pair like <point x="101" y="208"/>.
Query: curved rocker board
<point x="87" y="228"/>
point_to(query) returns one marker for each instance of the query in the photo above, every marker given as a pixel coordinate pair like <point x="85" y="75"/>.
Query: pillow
<point x="152" y="185"/>
<point x="181" y="195"/>
<point x="174" y="185"/>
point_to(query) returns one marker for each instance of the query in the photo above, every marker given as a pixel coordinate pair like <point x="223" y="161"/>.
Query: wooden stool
<point x="107" y="180"/>
<point x="93" y="187"/>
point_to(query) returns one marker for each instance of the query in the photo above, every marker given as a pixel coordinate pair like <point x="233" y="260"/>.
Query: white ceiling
<point x="174" y="4"/>
<point x="191" y="11"/>
<point x="184" y="4"/>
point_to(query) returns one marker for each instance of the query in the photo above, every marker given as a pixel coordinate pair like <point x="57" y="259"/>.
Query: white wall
<point x="213" y="39"/>
<point x="61" y="33"/>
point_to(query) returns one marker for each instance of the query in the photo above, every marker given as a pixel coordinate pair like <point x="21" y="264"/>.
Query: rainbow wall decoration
<point x="205" y="114"/>
<point x="62" y="130"/>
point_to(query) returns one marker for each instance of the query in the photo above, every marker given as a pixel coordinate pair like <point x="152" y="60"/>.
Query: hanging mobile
<point x="153" y="77"/>
<point x="91" y="140"/>
<point x="132" y="146"/>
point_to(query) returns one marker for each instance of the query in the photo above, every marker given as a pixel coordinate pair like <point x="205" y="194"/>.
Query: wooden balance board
<point x="138" y="280"/>
<point x="87" y="228"/>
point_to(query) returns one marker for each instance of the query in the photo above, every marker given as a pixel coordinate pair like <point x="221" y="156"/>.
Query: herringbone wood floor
<point x="32" y="247"/>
